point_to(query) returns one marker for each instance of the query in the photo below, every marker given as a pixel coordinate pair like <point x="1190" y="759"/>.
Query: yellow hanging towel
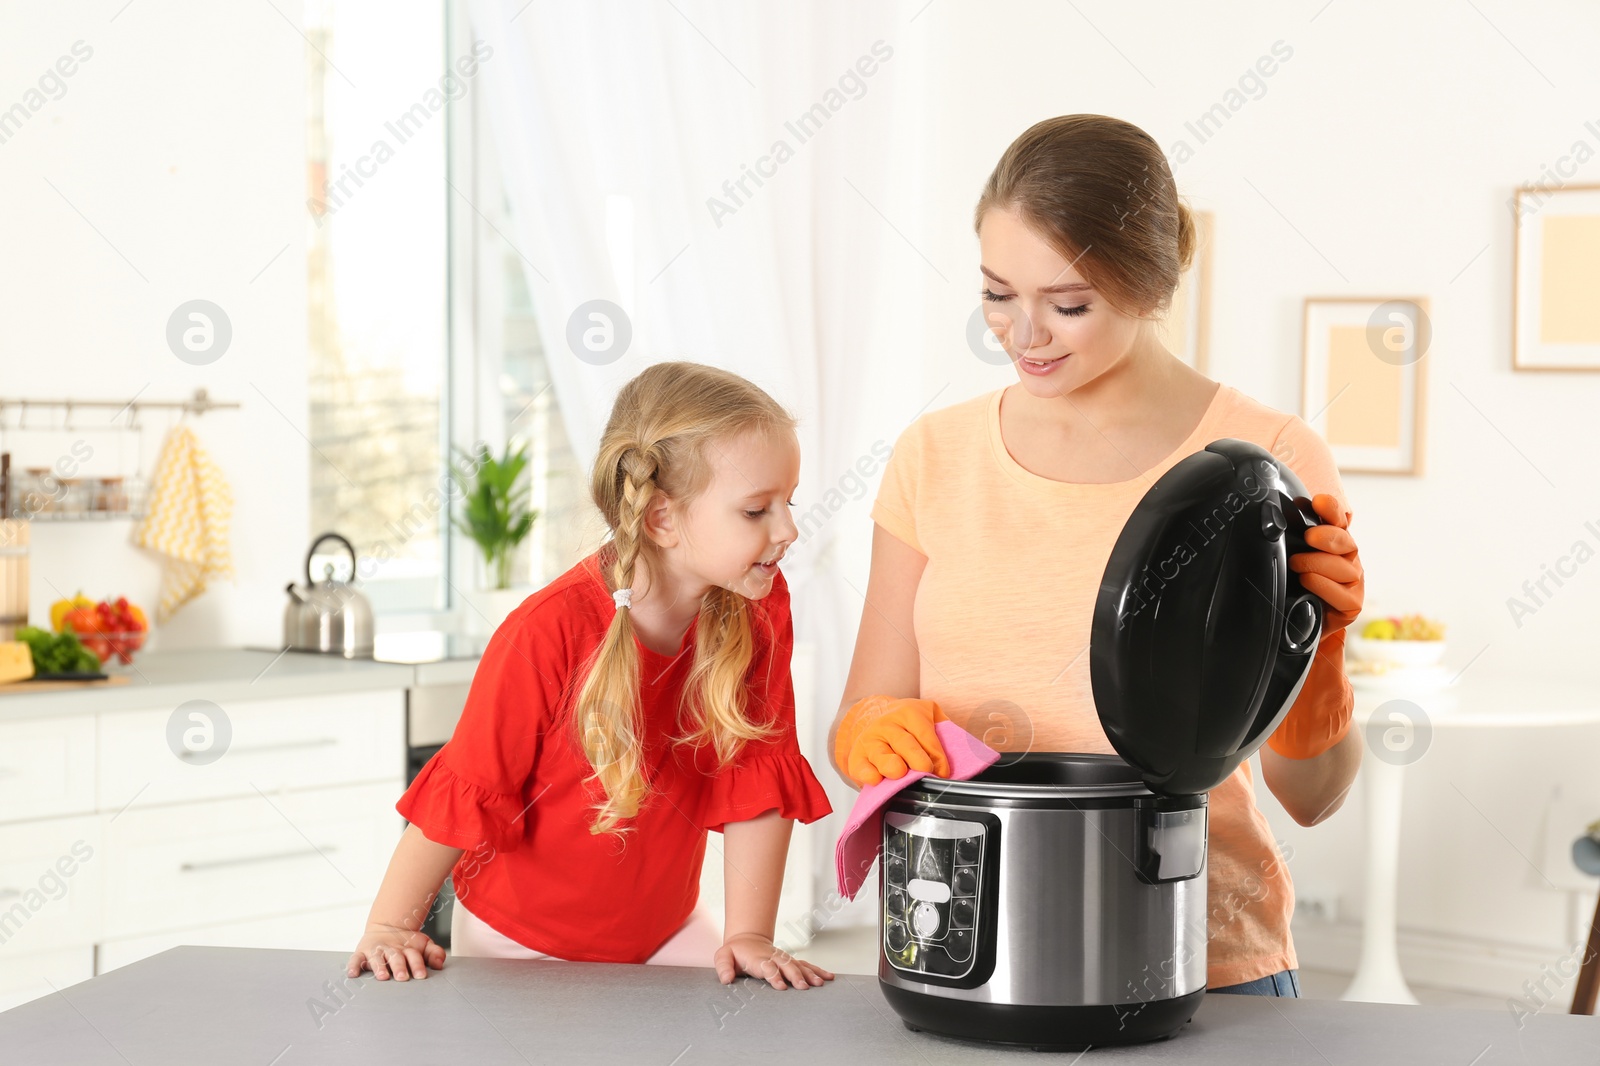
<point x="186" y="521"/>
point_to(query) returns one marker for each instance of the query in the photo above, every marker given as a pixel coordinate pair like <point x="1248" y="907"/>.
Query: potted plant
<point x="496" y="516"/>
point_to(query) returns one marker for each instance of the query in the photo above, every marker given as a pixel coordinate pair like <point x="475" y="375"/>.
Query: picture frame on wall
<point x="1364" y="380"/>
<point x="1186" y="329"/>
<point x="1555" y="279"/>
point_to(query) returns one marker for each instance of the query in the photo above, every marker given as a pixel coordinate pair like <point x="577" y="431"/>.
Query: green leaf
<point x="495" y="512"/>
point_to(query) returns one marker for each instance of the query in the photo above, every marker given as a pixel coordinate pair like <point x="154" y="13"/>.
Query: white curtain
<point x="617" y="123"/>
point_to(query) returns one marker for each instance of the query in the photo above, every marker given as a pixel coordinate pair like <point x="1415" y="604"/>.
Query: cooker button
<point x="894" y="935"/>
<point x="896" y="902"/>
<point x="925" y="920"/>
<point x="961" y="912"/>
<point x="935" y="960"/>
<point x="967" y="850"/>
<point x="894" y="870"/>
<point x="959" y="944"/>
<point x="1299" y="624"/>
<point x="966" y="880"/>
<point x="1273" y="524"/>
<point x="932" y="860"/>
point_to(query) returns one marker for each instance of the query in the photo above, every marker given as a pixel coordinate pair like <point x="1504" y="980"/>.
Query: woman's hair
<point x="1100" y="191"/>
<point x="662" y="425"/>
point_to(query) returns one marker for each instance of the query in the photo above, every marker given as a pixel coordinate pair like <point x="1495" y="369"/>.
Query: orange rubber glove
<point x="1321" y="713"/>
<point x="882" y="736"/>
<point x="1333" y="572"/>
<point x="1320" y="716"/>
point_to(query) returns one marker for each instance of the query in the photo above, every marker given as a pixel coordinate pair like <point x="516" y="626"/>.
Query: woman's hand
<point x="881" y="737"/>
<point x="386" y="949"/>
<point x="756" y="955"/>
<point x="1319" y="719"/>
<point x="1333" y="572"/>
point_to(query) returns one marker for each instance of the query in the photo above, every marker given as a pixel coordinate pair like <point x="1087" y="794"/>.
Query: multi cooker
<point x="1058" y="899"/>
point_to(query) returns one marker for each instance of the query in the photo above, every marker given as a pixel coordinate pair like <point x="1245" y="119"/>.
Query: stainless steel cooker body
<point x="1054" y="901"/>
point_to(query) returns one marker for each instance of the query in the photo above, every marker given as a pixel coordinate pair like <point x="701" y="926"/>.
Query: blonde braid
<point x="608" y="703"/>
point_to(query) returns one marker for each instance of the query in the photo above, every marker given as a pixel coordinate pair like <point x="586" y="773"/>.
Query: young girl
<point x="640" y="699"/>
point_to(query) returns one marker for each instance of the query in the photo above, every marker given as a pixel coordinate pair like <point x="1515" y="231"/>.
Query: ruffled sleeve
<point x="477" y="788"/>
<point x="771" y="774"/>
<point x="451" y="810"/>
<point x="754" y="786"/>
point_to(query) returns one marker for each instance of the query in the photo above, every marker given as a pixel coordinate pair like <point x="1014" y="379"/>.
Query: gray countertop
<point x="235" y="1005"/>
<point x="162" y="678"/>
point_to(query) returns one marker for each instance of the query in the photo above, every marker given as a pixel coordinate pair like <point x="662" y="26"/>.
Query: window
<point x="512" y="368"/>
<point x="377" y="292"/>
<point x="423" y="334"/>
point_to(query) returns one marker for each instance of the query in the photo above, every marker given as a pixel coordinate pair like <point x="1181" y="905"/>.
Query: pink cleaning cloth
<point x="858" y="845"/>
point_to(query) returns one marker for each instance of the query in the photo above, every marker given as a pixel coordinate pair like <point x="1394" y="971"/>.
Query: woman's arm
<point x="1312" y="789"/>
<point x="886" y="660"/>
<point x="393" y="941"/>
<point x="753" y="854"/>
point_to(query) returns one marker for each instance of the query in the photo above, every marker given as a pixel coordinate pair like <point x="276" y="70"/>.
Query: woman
<point x="997" y="515"/>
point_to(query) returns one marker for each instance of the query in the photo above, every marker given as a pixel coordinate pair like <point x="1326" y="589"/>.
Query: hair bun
<point x="1187" y="237"/>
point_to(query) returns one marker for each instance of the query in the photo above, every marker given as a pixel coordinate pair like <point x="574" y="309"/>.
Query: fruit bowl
<point x="120" y="647"/>
<point x="110" y="629"/>
<point x="1398" y="640"/>
<point x="111" y="646"/>
<point x="1397" y="652"/>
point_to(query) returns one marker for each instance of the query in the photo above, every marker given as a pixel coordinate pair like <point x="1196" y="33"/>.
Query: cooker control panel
<point x="932" y="892"/>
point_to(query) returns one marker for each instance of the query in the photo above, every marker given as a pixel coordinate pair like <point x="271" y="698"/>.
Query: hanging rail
<point x="198" y="404"/>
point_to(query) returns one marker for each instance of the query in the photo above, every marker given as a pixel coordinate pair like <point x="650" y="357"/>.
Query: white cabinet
<point x="46" y="767"/>
<point x="309" y="742"/>
<point x="50" y="884"/>
<point x="118" y="842"/>
<point x="201" y="863"/>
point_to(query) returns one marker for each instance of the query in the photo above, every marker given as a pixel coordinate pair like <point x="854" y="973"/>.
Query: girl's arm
<point x="753" y="855"/>
<point x="393" y="942"/>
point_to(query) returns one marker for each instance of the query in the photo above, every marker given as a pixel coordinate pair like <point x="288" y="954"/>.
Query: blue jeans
<point x="1282" y="983"/>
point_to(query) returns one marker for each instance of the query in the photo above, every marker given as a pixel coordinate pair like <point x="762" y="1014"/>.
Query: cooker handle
<point x="1171" y="845"/>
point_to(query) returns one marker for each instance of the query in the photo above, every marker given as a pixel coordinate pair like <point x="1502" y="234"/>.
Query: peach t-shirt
<point x="1003" y="613"/>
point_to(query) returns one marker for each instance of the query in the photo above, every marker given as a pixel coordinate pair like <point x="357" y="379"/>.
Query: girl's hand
<point x="407" y="953"/>
<point x="754" y="954"/>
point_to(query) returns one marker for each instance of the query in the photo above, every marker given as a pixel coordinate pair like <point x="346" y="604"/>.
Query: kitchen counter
<point x="215" y="1005"/>
<point x="170" y="677"/>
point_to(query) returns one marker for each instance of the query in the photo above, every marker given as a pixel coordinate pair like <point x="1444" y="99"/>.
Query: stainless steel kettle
<point x="329" y="615"/>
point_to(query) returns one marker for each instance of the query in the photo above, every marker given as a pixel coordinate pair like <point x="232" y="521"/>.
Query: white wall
<point x="1379" y="160"/>
<point x="171" y="168"/>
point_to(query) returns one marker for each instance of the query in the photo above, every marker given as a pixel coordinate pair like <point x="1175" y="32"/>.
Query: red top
<point x="509" y="787"/>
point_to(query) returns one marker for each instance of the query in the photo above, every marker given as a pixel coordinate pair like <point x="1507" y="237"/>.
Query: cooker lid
<point x="1202" y="635"/>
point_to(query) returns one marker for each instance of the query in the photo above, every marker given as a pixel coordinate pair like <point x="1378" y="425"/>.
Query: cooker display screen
<point x="931" y="893"/>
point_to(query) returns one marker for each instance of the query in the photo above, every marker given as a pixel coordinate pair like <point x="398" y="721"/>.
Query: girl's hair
<point x="655" y="444"/>
<point x="1100" y="191"/>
